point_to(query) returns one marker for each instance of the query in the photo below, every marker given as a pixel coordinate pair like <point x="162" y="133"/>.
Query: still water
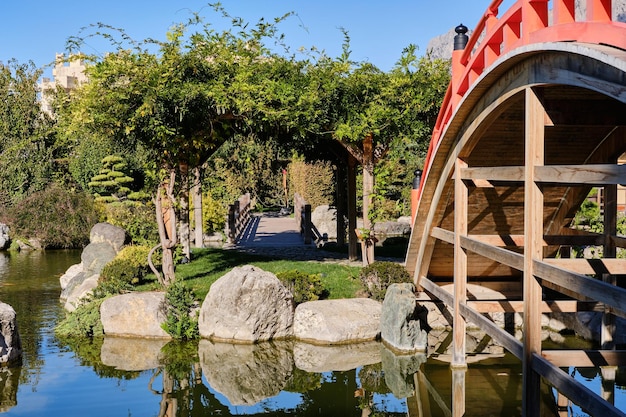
<point x="130" y="377"/>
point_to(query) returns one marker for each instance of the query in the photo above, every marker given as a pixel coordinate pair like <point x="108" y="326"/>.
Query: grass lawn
<point x="209" y="264"/>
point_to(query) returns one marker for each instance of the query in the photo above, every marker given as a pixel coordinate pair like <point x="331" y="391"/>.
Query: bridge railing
<point x="238" y="217"/>
<point x="525" y="22"/>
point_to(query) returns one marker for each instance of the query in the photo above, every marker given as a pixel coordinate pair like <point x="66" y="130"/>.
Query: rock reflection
<point x="315" y="358"/>
<point x="132" y="354"/>
<point x="9" y="381"/>
<point x="399" y="371"/>
<point x="246" y="374"/>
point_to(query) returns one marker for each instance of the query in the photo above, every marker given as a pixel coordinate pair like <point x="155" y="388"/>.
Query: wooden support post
<point x="341" y="204"/>
<point x="460" y="265"/>
<point x="231" y="223"/>
<point x="352" y="239"/>
<point x="609" y="251"/>
<point x="608" y="374"/>
<point x="533" y="250"/>
<point x="307" y="224"/>
<point x="458" y="392"/>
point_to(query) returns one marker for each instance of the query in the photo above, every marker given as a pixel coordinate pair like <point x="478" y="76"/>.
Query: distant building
<point x="68" y="75"/>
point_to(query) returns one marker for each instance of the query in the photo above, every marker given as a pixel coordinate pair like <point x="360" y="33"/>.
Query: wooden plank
<point x="507" y="173"/>
<point x="509" y="342"/>
<point x="585" y="358"/>
<point x="590" y="266"/>
<point x="592" y="174"/>
<point x="503" y="256"/>
<point x="442" y="234"/>
<point x="517" y="306"/>
<point x="548" y="240"/>
<point x="534" y="148"/>
<point x="611" y="295"/>
<point x="574" y="390"/>
<point x="460" y="269"/>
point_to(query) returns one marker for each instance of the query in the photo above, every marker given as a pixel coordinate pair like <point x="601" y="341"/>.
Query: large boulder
<point x="79" y="280"/>
<point x="249" y="305"/>
<point x="4" y="236"/>
<point x="337" y="321"/>
<point x="246" y="374"/>
<point x="107" y="233"/>
<point x="324" y="218"/>
<point x="138" y="314"/>
<point x="10" y="342"/>
<point x="403" y="321"/>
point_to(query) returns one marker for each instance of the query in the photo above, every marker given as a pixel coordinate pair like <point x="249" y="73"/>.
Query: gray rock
<point x="96" y="255"/>
<point x="81" y="286"/>
<point x="132" y="354"/>
<point x="390" y="229"/>
<point x="324" y="218"/>
<point x="80" y="280"/>
<point x="10" y="342"/>
<point x="5" y="239"/>
<point x="337" y="321"/>
<point x="71" y="272"/>
<point x="246" y="373"/>
<point x="327" y="358"/>
<point x="247" y="304"/>
<point x="403" y="321"/>
<point x="107" y="233"/>
<point x="134" y="314"/>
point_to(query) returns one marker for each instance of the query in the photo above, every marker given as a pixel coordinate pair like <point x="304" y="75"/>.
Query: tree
<point x="183" y="102"/>
<point x="26" y="158"/>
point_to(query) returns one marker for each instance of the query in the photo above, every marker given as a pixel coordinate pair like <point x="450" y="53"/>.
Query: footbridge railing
<point x="238" y="217"/>
<point x="525" y="22"/>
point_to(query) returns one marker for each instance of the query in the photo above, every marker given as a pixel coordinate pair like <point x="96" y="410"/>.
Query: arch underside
<point x="583" y="92"/>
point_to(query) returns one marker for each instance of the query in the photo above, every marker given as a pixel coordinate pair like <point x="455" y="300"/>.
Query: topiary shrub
<point x="122" y="273"/>
<point x="180" y="323"/>
<point x="377" y="276"/>
<point x="304" y="287"/>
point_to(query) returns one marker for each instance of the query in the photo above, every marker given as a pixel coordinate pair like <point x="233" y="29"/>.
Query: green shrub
<point x="84" y="321"/>
<point x="58" y="217"/>
<point x="213" y="214"/>
<point x="179" y="321"/>
<point x="139" y="221"/>
<point x="377" y="276"/>
<point x="304" y="287"/>
<point x="127" y="269"/>
<point x="314" y="181"/>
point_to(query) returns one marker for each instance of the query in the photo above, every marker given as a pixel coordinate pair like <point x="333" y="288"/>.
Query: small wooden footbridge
<point x="533" y="119"/>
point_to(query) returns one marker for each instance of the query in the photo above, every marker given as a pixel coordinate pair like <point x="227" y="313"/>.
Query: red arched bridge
<point x="534" y="118"/>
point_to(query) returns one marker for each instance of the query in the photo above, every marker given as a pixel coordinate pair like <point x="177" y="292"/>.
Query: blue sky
<point x="379" y="30"/>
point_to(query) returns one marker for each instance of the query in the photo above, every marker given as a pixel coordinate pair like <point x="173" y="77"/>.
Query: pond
<point x="137" y="377"/>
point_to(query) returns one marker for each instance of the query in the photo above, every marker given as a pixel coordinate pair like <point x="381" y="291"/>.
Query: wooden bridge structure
<point x="533" y="119"/>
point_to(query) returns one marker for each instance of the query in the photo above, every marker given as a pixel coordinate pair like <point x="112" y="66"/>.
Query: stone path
<point x="271" y="234"/>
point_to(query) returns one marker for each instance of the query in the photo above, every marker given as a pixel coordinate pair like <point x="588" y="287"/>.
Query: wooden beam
<point x="595" y="174"/>
<point x="460" y="266"/>
<point x="534" y="148"/>
<point x="585" y="358"/>
<point x="611" y="266"/>
<point x="507" y="173"/>
<point x="503" y="256"/>
<point x="498" y="334"/>
<point x="517" y="306"/>
<point x="611" y="295"/>
<point x="574" y="390"/>
<point x="443" y="234"/>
